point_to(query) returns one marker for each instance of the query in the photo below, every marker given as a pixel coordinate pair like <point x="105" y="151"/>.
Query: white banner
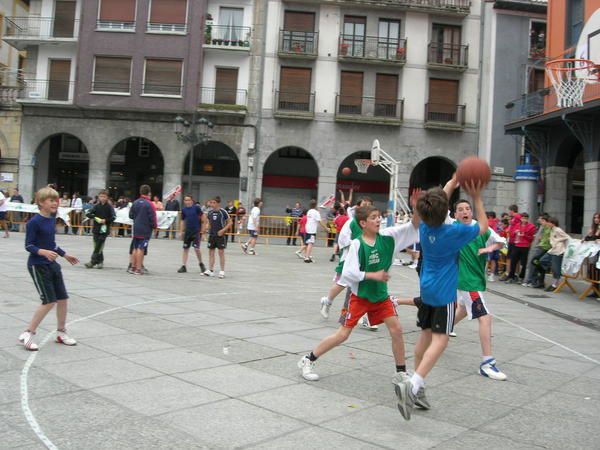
<point x="576" y="253"/>
<point x="61" y="213"/>
<point x="164" y="218"/>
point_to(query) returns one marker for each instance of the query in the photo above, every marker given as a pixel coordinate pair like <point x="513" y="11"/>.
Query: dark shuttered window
<point x="112" y="74"/>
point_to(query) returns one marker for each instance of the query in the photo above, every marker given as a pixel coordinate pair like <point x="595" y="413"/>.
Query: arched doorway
<point x="62" y="160"/>
<point x="215" y="172"/>
<point x="132" y="162"/>
<point x="375" y="183"/>
<point x="431" y="172"/>
<point x="290" y="175"/>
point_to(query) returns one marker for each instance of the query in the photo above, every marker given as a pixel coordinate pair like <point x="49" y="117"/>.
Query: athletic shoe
<point x="512" y="280"/>
<point x="452" y="334"/>
<point x="252" y="252"/>
<point x="299" y="254"/>
<point x="88" y="265"/>
<point x="325" y="307"/>
<point x="406" y="399"/>
<point x="413" y="265"/>
<point x="308" y="260"/>
<point x="138" y="272"/>
<point x="491" y="278"/>
<point x="145" y="271"/>
<point x="26" y="338"/>
<point x="209" y="273"/>
<point x="222" y="274"/>
<point x="421" y="400"/>
<point x="399" y="377"/>
<point x="130" y="270"/>
<point x="550" y="288"/>
<point x="526" y="284"/>
<point x="99" y="266"/>
<point x="332" y="258"/>
<point x="307" y="367"/>
<point x="364" y="323"/>
<point x="503" y="277"/>
<point x="182" y="269"/>
<point x="406" y="263"/>
<point x="397" y="262"/>
<point x="63" y="338"/>
<point x="245" y="248"/>
<point x="488" y="369"/>
<point x="202" y="268"/>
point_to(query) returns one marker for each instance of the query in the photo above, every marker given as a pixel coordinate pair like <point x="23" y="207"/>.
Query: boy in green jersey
<point x="366" y="273"/>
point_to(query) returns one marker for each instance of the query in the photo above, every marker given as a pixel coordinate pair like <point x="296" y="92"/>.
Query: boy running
<point x="46" y="273"/>
<point x="219" y="223"/>
<point x="441" y="244"/>
<point x="103" y="215"/>
<point x="143" y="214"/>
<point x="253" y="227"/>
<point x="313" y="219"/>
<point x="366" y="272"/>
<point x="193" y="221"/>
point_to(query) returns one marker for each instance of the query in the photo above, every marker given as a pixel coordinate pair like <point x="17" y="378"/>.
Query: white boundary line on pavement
<point x="564" y="347"/>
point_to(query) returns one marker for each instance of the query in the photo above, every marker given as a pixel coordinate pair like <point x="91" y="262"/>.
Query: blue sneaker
<point x="488" y="369"/>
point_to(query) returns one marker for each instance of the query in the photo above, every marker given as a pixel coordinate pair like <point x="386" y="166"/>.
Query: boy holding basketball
<point x="441" y="244"/>
<point x="366" y="272"/>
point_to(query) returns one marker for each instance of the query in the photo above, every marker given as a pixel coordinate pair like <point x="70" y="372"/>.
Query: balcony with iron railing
<point x="115" y="25"/>
<point x="446" y="7"/>
<point x="223" y="101"/>
<point x="294" y="105"/>
<point x="224" y="37"/>
<point x="8" y="96"/>
<point x="372" y="49"/>
<point x="298" y="44"/>
<point x="442" y="56"/>
<point x="369" y="109"/>
<point x="444" y="116"/>
<point x="23" y="31"/>
<point x="167" y="28"/>
<point x="46" y="91"/>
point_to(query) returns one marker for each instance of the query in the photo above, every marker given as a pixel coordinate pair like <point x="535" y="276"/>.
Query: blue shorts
<point x="140" y="243"/>
<point x="494" y="256"/>
<point x="2" y="215"/>
<point x="253" y="233"/>
<point x="192" y="240"/>
<point x="49" y="282"/>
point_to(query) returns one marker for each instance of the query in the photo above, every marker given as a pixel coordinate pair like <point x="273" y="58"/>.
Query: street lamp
<point x="194" y="132"/>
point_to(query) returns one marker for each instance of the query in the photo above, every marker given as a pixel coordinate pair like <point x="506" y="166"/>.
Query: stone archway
<point x="215" y="172"/>
<point x="431" y="172"/>
<point x="375" y="183"/>
<point x="63" y="160"/>
<point x="290" y="175"/>
<point x="132" y="162"/>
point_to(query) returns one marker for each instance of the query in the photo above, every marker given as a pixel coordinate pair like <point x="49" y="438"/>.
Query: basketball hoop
<point x="569" y="77"/>
<point x="362" y="165"/>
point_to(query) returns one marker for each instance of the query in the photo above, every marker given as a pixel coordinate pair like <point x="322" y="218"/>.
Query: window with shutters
<point x="351" y="89"/>
<point x="116" y="15"/>
<point x="226" y="86"/>
<point x="112" y="75"/>
<point x="443" y="101"/>
<point x="163" y="77"/>
<point x="353" y="37"/>
<point x="294" y="89"/>
<point x="386" y="95"/>
<point x="168" y="16"/>
<point x="64" y="19"/>
<point x="298" y="34"/>
<point x="59" y="79"/>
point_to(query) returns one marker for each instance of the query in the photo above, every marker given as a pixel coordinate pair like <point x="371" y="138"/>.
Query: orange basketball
<point x="473" y="169"/>
<point x="346" y="171"/>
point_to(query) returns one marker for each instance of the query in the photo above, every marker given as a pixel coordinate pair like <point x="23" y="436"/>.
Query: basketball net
<point x="362" y="165"/>
<point x="569" y="78"/>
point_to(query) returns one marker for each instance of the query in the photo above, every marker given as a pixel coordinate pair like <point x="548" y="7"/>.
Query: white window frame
<point x="168" y="28"/>
<point x="181" y="85"/>
<point x="122" y="94"/>
<point x="115" y="27"/>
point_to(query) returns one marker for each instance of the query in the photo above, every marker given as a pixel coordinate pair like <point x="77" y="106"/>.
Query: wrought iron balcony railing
<point x="36" y="27"/>
<point x="298" y="43"/>
<point x="369" y="108"/>
<point x="449" y="55"/>
<point x="383" y="49"/>
<point x="295" y="103"/>
<point x="234" y="38"/>
<point x="46" y="90"/>
<point x="444" y="113"/>
<point x="218" y="96"/>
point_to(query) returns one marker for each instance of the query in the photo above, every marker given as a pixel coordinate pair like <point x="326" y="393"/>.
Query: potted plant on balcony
<point x="448" y="61"/>
<point x="226" y="42"/>
<point x="208" y="34"/>
<point x="400" y="54"/>
<point x="234" y="42"/>
<point x="241" y="43"/>
<point x="344" y="48"/>
<point x="297" y="47"/>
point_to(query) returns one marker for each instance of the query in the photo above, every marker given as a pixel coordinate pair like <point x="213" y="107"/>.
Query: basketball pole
<point x="390" y="165"/>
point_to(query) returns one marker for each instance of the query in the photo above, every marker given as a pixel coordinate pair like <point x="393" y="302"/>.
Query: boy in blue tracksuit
<point x="143" y="214"/>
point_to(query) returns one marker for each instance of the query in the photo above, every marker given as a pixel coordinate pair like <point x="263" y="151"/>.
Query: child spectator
<point x="143" y="214"/>
<point x="102" y="215"/>
<point x="193" y="221"/>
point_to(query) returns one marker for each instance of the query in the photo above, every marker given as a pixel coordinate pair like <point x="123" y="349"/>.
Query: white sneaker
<point x="299" y="254"/>
<point x="488" y="369"/>
<point x="413" y="265"/>
<point x="222" y="274"/>
<point x="26" y="338"/>
<point x="491" y="277"/>
<point x="364" y="323"/>
<point x="452" y="334"/>
<point x="209" y="273"/>
<point x="63" y="338"/>
<point x="307" y="367"/>
<point x="325" y="307"/>
<point x="397" y="262"/>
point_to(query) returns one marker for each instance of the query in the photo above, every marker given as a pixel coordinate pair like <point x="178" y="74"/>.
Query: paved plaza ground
<point x="182" y="361"/>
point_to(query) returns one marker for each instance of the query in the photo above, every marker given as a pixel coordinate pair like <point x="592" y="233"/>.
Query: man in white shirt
<point x="3" y="212"/>
<point x="313" y="219"/>
<point x="253" y="227"/>
<point x="76" y="204"/>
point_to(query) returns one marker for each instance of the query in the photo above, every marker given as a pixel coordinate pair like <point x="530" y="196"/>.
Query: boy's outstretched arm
<point x="451" y="186"/>
<point x="414" y="198"/>
<point x="475" y="190"/>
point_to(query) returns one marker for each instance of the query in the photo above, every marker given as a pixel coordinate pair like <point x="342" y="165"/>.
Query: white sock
<point x="486" y="358"/>
<point x="329" y="301"/>
<point x="417" y="382"/>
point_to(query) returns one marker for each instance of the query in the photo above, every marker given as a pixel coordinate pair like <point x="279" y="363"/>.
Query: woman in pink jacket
<point x="523" y="235"/>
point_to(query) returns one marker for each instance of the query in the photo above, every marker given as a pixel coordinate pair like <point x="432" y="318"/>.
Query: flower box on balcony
<point x="344" y="49"/>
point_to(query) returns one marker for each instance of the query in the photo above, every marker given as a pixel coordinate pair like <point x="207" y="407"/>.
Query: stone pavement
<point x="182" y="361"/>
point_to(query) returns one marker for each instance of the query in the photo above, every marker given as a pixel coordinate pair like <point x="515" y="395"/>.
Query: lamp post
<point x="194" y="132"/>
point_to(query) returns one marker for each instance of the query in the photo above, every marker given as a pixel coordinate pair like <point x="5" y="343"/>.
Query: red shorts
<point x="358" y="307"/>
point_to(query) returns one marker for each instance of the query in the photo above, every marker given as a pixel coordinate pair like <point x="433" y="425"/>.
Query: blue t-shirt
<point x="192" y="216"/>
<point x="39" y="234"/>
<point x="441" y="248"/>
<point x="217" y="219"/>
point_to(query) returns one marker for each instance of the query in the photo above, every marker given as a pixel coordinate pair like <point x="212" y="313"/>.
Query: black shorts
<point x="219" y="242"/>
<point x="49" y="282"/>
<point x="440" y="319"/>
<point x="192" y="240"/>
<point x="2" y="215"/>
<point x="132" y="246"/>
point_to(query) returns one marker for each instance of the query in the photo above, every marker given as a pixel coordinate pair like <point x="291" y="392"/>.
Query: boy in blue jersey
<point x="193" y="222"/>
<point x="44" y="270"/>
<point x="143" y="214"/>
<point x="441" y="244"/>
